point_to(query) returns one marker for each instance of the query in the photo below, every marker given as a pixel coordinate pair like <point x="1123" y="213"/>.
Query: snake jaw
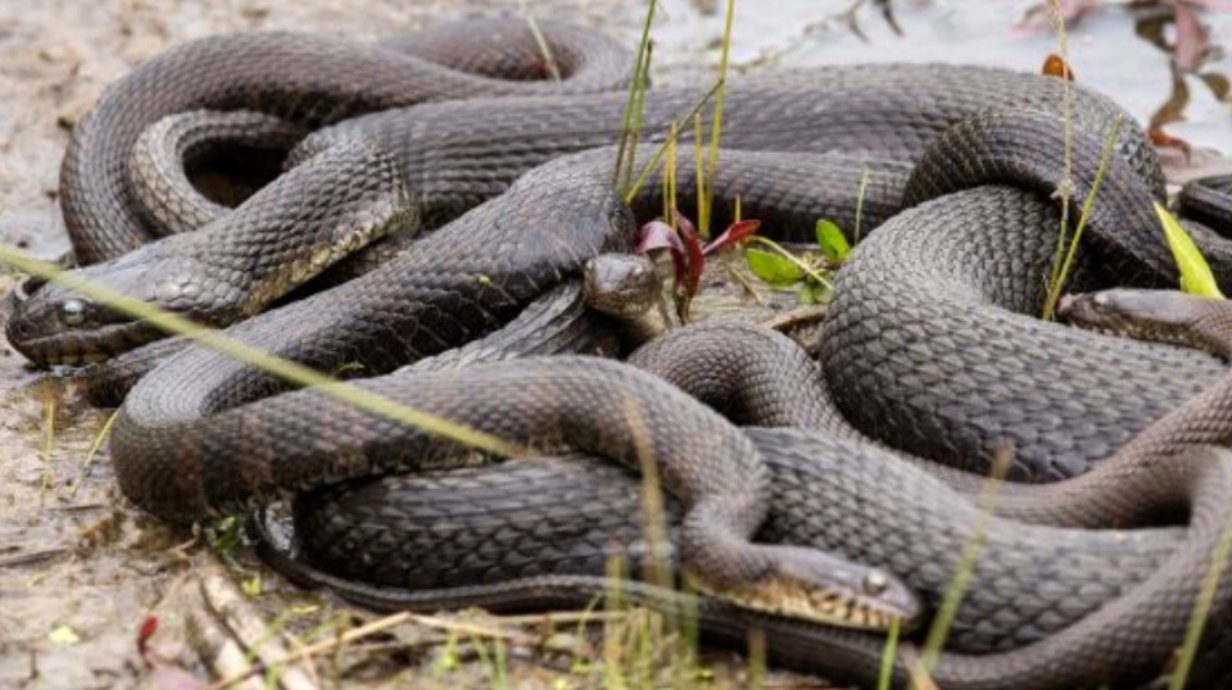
<point x="811" y="585"/>
<point x="1162" y="316"/>
<point x="53" y="325"/>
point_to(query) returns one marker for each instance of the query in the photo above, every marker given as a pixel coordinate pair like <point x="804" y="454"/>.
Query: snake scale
<point x="929" y="349"/>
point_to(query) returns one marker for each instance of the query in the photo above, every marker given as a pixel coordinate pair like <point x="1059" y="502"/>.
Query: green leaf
<point x="820" y="292"/>
<point x="1196" y="276"/>
<point x="772" y="268"/>
<point x="832" y="241"/>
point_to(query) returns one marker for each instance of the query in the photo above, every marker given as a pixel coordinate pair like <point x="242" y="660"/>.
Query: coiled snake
<point x="928" y="347"/>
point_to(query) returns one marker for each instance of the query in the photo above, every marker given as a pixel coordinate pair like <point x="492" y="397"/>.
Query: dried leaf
<point x="1056" y="66"/>
<point x="695" y="258"/>
<point x="657" y="235"/>
<point x="1217" y="83"/>
<point x="1193" y="41"/>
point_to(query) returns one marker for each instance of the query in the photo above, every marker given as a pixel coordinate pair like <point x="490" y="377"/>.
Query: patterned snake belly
<point x="929" y="347"/>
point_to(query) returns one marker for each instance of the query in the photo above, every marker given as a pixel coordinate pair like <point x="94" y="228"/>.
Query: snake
<point x="367" y="174"/>
<point x="373" y="533"/>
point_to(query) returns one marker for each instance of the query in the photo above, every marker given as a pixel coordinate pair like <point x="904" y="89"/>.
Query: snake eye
<point x="875" y="582"/>
<point x="73" y="311"/>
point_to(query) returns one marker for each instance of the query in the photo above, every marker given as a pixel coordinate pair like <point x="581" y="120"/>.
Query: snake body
<point x="937" y="371"/>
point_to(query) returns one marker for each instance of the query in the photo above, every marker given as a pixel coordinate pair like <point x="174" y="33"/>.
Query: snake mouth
<point x="813" y="585"/>
<point x="23" y="291"/>
<point x="79" y="348"/>
<point x="832" y="607"/>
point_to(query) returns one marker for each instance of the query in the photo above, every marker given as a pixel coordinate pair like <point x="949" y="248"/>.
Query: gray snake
<point x="475" y="273"/>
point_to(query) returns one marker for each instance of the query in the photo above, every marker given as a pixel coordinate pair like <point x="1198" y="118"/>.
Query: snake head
<point x="810" y="584"/>
<point x="1166" y="316"/>
<point x="621" y="285"/>
<point x="55" y="325"/>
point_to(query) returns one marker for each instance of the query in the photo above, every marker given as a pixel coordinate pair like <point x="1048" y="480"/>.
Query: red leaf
<point x="696" y="258"/>
<point x="733" y="235"/>
<point x="149" y="626"/>
<point x="1162" y="139"/>
<point x="659" y="235"/>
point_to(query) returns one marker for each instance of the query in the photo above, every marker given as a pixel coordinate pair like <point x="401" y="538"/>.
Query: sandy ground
<point x="79" y="569"/>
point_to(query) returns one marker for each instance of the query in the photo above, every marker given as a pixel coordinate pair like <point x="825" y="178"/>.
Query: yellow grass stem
<point x="950" y="600"/>
<point x="631" y="191"/>
<point x="1065" y="186"/>
<point x="1057" y="282"/>
<point x="1202" y="607"/>
<point x="886" y="675"/>
<point x="717" y="126"/>
<point x="625" y="163"/>
<point x="99" y="438"/>
<point x="292" y="372"/>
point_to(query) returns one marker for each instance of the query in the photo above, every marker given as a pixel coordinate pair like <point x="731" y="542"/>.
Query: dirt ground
<point x="80" y="570"/>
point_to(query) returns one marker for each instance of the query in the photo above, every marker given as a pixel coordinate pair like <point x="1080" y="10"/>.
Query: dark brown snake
<point x="928" y="346"/>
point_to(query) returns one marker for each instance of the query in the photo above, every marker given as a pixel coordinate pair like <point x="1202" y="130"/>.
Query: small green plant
<point x="809" y="273"/>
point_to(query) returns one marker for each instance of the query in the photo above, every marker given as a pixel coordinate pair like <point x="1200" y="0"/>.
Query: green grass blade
<point x="1202" y="607"/>
<point x="1196" y="276"/>
<point x="293" y="372"/>
<point x="888" y="653"/>
<point x="1057" y="281"/>
<point x="626" y="128"/>
<point x="716" y="127"/>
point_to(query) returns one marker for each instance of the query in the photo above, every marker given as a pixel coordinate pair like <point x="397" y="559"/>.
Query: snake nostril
<point x="25" y="289"/>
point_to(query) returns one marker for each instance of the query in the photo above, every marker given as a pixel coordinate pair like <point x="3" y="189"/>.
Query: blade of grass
<point x="1202" y="607"/>
<point x="626" y="127"/>
<point x="292" y="372"/>
<point x="952" y="598"/>
<point x="703" y="189"/>
<point x="1065" y="186"/>
<point x="549" y="61"/>
<point x="863" y="189"/>
<point x="639" y="110"/>
<point x="631" y="191"/>
<point x="886" y="675"/>
<point x="716" y="127"/>
<point x="1057" y="282"/>
<point x="1196" y="276"/>
<point x="102" y="435"/>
